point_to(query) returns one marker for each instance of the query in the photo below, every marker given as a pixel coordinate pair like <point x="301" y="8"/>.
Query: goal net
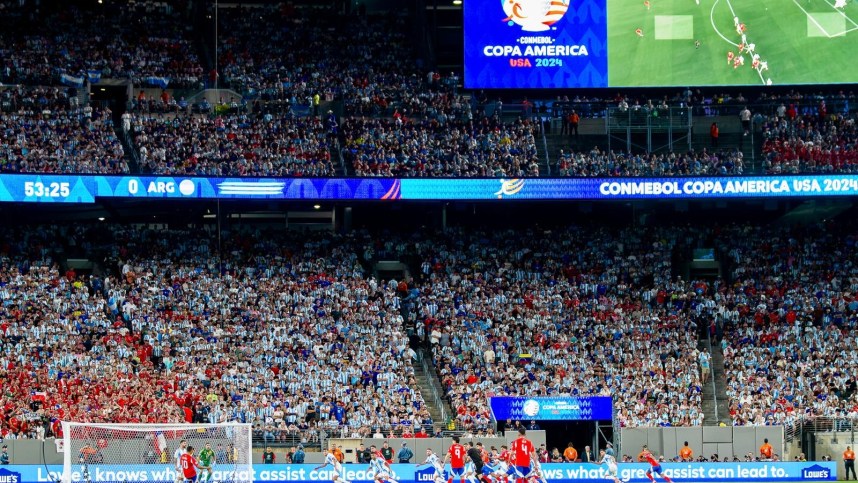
<point x="125" y="453"/>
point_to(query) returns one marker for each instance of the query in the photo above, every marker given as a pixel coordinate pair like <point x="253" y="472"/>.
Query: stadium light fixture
<point x="317" y="207"/>
<point x="100" y="218"/>
<point x="457" y="2"/>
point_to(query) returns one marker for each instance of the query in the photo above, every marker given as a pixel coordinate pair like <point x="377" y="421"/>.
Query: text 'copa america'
<point x="699" y="187"/>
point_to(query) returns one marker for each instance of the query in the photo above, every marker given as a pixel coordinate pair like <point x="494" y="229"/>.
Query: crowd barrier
<point x="554" y="473"/>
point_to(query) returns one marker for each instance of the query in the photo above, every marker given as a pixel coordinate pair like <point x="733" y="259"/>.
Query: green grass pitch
<point x="803" y="42"/>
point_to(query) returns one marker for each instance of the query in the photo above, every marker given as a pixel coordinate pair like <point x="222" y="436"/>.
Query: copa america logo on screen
<point x="534" y="15"/>
<point x="530" y="408"/>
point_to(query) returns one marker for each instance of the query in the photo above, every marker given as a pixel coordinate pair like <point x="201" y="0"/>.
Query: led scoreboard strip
<point x="36" y="188"/>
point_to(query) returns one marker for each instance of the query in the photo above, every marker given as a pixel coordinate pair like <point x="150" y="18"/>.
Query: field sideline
<point x="803" y="41"/>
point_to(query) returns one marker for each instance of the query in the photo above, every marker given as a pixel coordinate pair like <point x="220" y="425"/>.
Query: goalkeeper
<point x="207" y="461"/>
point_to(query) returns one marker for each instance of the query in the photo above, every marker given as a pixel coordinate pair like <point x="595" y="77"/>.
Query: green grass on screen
<point x="803" y="41"/>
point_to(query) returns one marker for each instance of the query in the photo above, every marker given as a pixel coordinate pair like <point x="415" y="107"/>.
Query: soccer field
<point x="800" y="41"/>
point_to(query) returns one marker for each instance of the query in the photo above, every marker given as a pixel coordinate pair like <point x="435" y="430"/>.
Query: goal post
<point x="126" y="453"/>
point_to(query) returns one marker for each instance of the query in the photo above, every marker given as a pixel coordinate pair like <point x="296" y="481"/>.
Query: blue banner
<point x="554" y="473"/>
<point x="70" y="80"/>
<point x="552" y="408"/>
<point x="49" y="188"/>
<point x="161" y="82"/>
<point x="535" y="43"/>
<point x="94" y="76"/>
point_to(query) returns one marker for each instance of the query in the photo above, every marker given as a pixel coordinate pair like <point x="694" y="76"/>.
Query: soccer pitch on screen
<point x="698" y="42"/>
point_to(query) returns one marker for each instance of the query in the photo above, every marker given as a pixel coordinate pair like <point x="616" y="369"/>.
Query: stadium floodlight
<point x="108" y="453"/>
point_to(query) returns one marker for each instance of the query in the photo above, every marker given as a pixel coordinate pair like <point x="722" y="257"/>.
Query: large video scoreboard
<point x="627" y="43"/>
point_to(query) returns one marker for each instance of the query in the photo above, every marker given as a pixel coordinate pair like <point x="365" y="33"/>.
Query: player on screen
<point x="381" y="468"/>
<point x="331" y="460"/>
<point x="655" y="466"/>
<point x="639" y="32"/>
<point x="647" y="4"/>
<point x="611" y="462"/>
<point x="189" y="465"/>
<point x="177" y="458"/>
<point x="840" y="3"/>
<point x="730" y="57"/>
<point x="523" y="454"/>
<point x="456" y="454"/>
<point x="207" y="461"/>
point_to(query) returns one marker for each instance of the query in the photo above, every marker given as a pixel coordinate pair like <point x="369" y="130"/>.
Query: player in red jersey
<point x="655" y="466"/>
<point x="189" y="465"/>
<point x="523" y="454"/>
<point x="456" y="455"/>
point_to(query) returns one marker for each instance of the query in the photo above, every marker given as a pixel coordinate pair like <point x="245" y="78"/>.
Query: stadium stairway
<point x="714" y="399"/>
<point x="430" y="388"/>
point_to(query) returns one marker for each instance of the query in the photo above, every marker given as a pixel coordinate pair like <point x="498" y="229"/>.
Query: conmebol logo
<point x="815" y="472"/>
<point x="261" y="188"/>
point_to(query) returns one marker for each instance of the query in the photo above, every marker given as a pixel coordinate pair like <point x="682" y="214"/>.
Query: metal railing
<point x="545" y="121"/>
<point x="712" y="376"/>
<point x="435" y="387"/>
<point x="796" y="430"/>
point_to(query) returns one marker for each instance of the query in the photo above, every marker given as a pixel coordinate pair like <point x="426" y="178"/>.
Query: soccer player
<point x="730" y="57"/>
<point x="697" y="44"/>
<point x="839" y="3"/>
<point x="381" y="468"/>
<point x="647" y="4"/>
<point x="332" y="460"/>
<point x="432" y="459"/>
<point x="639" y="32"/>
<point x="177" y="457"/>
<point x="611" y="462"/>
<point x="207" y="461"/>
<point x="456" y="454"/>
<point x="523" y="454"/>
<point x="655" y="466"/>
<point x="189" y="465"/>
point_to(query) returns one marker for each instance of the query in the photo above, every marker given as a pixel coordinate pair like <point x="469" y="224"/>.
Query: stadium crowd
<point x="284" y="332"/>
<point x="820" y="142"/>
<point x="571" y="312"/>
<point x="304" y="55"/>
<point x="787" y="319"/>
<point x="45" y="130"/>
<point x="170" y="332"/>
<point x="608" y="163"/>
<point x="233" y="145"/>
<point x="146" y="41"/>
<point x="484" y="148"/>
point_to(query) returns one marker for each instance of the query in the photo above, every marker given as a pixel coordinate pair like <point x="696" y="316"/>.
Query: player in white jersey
<point x="498" y="470"/>
<point x="839" y="3"/>
<point x="177" y="457"/>
<point x="611" y="462"/>
<point x="435" y="461"/>
<point x="331" y="460"/>
<point x="536" y="473"/>
<point x="382" y="470"/>
<point x="471" y="474"/>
